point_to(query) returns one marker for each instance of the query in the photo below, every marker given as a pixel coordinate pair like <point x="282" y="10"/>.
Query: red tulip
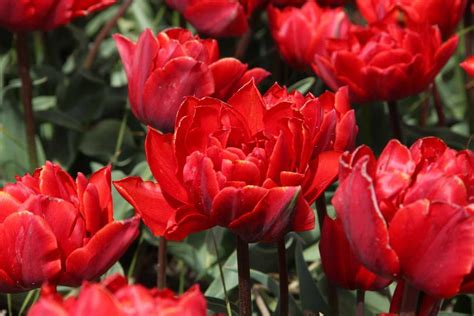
<point x="384" y="64"/>
<point x="217" y="18"/>
<point x="115" y="297"/>
<point x="445" y="14"/>
<point x="333" y="3"/>
<point x="468" y="66"/>
<point x="34" y="15"/>
<point x="162" y="70"/>
<point x="253" y="164"/>
<point x="402" y="211"/>
<point x="300" y="33"/>
<point x="59" y="230"/>
<point x="341" y="265"/>
<point x="284" y="3"/>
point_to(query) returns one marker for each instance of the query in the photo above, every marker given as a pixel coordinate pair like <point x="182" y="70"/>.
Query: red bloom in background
<point x="115" y="297"/>
<point x="217" y="18"/>
<point x="44" y="15"/>
<point x="400" y="212"/>
<point x="162" y="70"/>
<point x="300" y="33"/>
<point x="283" y="3"/>
<point x="468" y="65"/>
<point x="333" y="3"/>
<point x="444" y="14"/>
<point x="384" y="64"/>
<point x="252" y="164"/>
<point x="59" y="230"/>
<point x="341" y="265"/>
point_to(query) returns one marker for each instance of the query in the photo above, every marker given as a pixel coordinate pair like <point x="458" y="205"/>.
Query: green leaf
<point x="218" y="305"/>
<point x="304" y="85"/>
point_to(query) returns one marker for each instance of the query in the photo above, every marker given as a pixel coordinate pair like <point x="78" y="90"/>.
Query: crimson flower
<point x="400" y="212"/>
<point x="300" y="33"/>
<point x="114" y="296"/>
<point x="252" y="164"/>
<point x="468" y="65"/>
<point x="34" y="15"/>
<point x="56" y="229"/>
<point x="341" y="265"/>
<point x="217" y="18"/>
<point x="162" y="70"/>
<point x="445" y="14"/>
<point x="384" y="64"/>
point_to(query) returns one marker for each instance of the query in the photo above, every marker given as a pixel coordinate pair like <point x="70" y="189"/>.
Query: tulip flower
<point x="217" y="18"/>
<point x="400" y="212"/>
<point x="253" y="164"/>
<point x="59" y="230"/>
<point x="444" y="14"/>
<point x="468" y="66"/>
<point x="162" y="70"/>
<point x="300" y="33"/>
<point x="34" y="15"/>
<point x="114" y="296"/>
<point x="283" y="3"/>
<point x="384" y="64"/>
<point x="340" y="264"/>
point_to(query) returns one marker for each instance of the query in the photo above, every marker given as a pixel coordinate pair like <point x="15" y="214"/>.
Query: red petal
<point x="8" y="205"/>
<point x="323" y="172"/>
<point x="55" y="182"/>
<point x="48" y="307"/>
<point x="420" y="232"/>
<point x="356" y="206"/>
<point x="102" y="250"/>
<point x="468" y="65"/>
<point x="148" y="201"/>
<point x="101" y="179"/>
<point x="95" y="300"/>
<point x="29" y="254"/>
<point x="226" y="72"/>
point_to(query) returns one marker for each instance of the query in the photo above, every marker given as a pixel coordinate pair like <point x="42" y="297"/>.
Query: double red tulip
<point x="55" y="229"/>
<point x="445" y="14"/>
<point x="115" y="297"/>
<point x="217" y="18"/>
<point x="33" y="15"/>
<point x="410" y="214"/>
<point x="300" y="33"/>
<point x="340" y="264"/>
<point x="386" y="63"/>
<point x="162" y="70"/>
<point x="468" y="65"/>
<point x="252" y="164"/>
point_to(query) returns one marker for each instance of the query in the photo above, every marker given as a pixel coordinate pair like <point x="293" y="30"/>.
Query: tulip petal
<point x="226" y="72"/>
<point x="434" y="244"/>
<point x="366" y="230"/>
<point x="48" y="307"/>
<point x="29" y="254"/>
<point x="8" y="205"/>
<point x="147" y="199"/>
<point x="95" y="299"/>
<point x="102" y="250"/>
<point x="324" y="172"/>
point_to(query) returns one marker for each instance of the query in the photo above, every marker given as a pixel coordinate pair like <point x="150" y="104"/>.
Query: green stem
<point x="9" y="304"/>
<point x="161" y="277"/>
<point x="133" y="264"/>
<point x="283" y="273"/>
<point x="243" y="267"/>
<point x="409" y="300"/>
<point x="221" y="272"/>
<point x="360" y="308"/>
<point x="395" y="120"/>
<point x="26" y="301"/>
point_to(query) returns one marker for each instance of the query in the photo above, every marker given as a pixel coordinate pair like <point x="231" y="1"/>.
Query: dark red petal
<point x="147" y="199"/>
<point x="366" y="230"/>
<point x="29" y="254"/>
<point x="434" y="244"/>
<point x="102" y="250"/>
<point x="226" y="72"/>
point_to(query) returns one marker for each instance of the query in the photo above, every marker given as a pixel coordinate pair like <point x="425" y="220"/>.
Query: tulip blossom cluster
<point x="114" y="296"/>
<point x="44" y="15"/>
<point x="413" y="204"/>
<point x="59" y="230"/>
<point x="252" y="164"/>
<point x="162" y="70"/>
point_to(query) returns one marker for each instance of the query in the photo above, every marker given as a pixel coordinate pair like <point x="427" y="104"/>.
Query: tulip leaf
<point x="303" y="86"/>
<point x="218" y="305"/>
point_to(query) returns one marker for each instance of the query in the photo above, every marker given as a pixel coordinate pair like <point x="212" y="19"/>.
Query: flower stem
<point x="226" y="297"/>
<point x="161" y="279"/>
<point x="438" y="103"/>
<point x="333" y="298"/>
<point x="283" y="277"/>
<point x="395" y="120"/>
<point x="27" y="95"/>
<point x="360" y="302"/>
<point x="104" y="32"/>
<point x="409" y="301"/>
<point x="243" y="267"/>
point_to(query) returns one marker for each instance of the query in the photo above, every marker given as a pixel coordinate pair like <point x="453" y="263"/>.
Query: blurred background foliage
<point x="84" y="122"/>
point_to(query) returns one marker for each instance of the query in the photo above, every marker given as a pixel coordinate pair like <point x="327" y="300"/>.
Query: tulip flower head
<point x="401" y="211"/>
<point x="59" y="230"/>
<point x="300" y="33"/>
<point x="252" y="164"/>
<point x="384" y="63"/>
<point x="35" y="15"/>
<point x="163" y="70"/>
<point x="114" y="296"/>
